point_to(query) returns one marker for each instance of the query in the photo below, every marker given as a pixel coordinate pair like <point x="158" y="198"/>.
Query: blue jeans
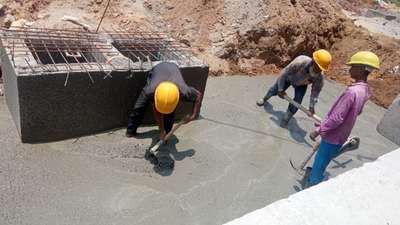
<point x="325" y="154"/>
<point x="299" y="92"/>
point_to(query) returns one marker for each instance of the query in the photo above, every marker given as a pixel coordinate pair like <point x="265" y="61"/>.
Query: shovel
<point x="153" y="150"/>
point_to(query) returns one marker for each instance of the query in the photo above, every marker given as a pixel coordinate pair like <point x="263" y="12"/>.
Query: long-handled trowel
<point x="153" y="150"/>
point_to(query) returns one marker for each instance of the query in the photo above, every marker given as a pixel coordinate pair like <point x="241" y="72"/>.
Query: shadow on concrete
<point x="164" y="159"/>
<point x="361" y="158"/>
<point x="341" y="164"/>
<point x="248" y="129"/>
<point x="295" y="131"/>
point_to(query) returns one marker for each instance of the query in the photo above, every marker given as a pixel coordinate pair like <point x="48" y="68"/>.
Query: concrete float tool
<point x="350" y="145"/>
<point x="153" y="150"/>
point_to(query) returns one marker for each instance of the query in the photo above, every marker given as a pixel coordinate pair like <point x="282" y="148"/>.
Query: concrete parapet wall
<point x="52" y="98"/>
<point x="10" y="88"/>
<point x="389" y="126"/>
<point x="46" y="110"/>
<point x="369" y="195"/>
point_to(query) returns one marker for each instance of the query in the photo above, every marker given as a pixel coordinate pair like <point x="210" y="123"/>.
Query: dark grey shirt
<point x="167" y="71"/>
<point x="298" y="73"/>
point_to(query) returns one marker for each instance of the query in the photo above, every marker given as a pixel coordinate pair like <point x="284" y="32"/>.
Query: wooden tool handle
<point x="315" y="149"/>
<point x="168" y="136"/>
<point x="302" y="108"/>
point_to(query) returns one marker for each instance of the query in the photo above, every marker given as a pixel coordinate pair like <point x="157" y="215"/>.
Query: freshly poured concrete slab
<point x="231" y="161"/>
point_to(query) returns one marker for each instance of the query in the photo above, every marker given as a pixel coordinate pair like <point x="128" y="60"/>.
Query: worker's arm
<point x="197" y="106"/>
<point x="337" y="114"/>
<point x="160" y="120"/>
<point x="316" y="88"/>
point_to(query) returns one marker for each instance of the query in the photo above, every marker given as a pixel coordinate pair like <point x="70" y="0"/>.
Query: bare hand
<point x="281" y="94"/>
<point x="313" y="135"/>
<point x="312" y="111"/>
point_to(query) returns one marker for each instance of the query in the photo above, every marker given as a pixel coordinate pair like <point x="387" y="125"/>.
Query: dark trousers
<point x="299" y="92"/>
<point x="136" y="116"/>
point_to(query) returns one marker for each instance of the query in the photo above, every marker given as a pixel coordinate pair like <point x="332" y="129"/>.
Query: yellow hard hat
<point x="323" y="59"/>
<point x="166" y="97"/>
<point x="365" y="58"/>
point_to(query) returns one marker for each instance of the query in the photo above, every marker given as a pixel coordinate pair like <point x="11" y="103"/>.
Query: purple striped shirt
<point x="337" y="126"/>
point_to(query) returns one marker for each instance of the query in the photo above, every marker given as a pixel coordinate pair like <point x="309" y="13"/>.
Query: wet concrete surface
<point x="231" y="161"/>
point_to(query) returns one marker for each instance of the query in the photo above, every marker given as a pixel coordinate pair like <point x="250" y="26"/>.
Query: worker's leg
<point x="299" y="92"/>
<point x="169" y="122"/>
<point x="273" y="91"/>
<point x="325" y="154"/>
<point x="136" y="116"/>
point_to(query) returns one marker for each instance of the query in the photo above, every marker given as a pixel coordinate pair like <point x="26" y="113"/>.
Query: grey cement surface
<point x="230" y="162"/>
<point x="389" y="126"/>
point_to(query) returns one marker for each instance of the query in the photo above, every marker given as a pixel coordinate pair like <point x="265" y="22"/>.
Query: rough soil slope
<point x="248" y="37"/>
<point x="260" y="37"/>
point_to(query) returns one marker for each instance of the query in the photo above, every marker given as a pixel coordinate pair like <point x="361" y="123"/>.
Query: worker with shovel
<point x="301" y="72"/>
<point x="339" y="122"/>
<point x="165" y="88"/>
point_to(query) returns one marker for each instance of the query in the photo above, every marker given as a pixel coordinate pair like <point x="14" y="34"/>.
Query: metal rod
<point x="102" y="17"/>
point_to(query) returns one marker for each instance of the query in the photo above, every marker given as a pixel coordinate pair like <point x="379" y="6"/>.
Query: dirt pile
<point x="26" y="9"/>
<point x="255" y="36"/>
<point x="247" y="37"/>
<point x="260" y="37"/>
<point x="358" y="5"/>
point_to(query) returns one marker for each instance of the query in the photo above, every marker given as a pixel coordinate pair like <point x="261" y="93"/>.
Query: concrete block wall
<point x="369" y="195"/>
<point x="10" y="87"/>
<point x="46" y="106"/>
<point x="389" y="126"/>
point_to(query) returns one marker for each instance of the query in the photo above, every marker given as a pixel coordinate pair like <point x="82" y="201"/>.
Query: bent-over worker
<point x="301" y="72"/>
<point x="164" y="89"/>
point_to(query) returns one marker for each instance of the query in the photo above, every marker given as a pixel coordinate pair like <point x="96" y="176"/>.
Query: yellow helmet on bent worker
<point x="323" y="59"/>
<point x="166" y="97"/>
<point x="365" y="58"/>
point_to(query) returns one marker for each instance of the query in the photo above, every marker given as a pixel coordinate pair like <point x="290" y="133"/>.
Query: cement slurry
<point x="231" y="161"/>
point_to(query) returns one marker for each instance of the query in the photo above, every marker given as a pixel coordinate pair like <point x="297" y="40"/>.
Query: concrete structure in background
<point x="369" y="195"/>
<point x="389" y="126"/>
<point x="63" y="84"/>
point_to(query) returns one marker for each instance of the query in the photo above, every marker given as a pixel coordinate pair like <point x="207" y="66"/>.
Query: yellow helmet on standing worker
<point x="365" y="58"/>
<point x="166" y="97"/>
<point x="323" y="59"/>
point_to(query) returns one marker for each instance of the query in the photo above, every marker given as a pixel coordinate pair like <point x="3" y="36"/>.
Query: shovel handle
<point x="302" y="108"/>
<point x="168" y="136"/>
<point x="314" y="150"/>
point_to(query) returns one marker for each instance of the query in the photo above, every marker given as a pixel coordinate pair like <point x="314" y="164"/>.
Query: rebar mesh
<point x="142" y="46"/>
<point x="36" y="50"/>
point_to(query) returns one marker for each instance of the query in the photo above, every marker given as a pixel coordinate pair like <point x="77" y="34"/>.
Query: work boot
<point x="286" y="118"/>
<point x="262" y="101"/>
<point x="350" y="145"/>
<point x="130" y="134"/>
